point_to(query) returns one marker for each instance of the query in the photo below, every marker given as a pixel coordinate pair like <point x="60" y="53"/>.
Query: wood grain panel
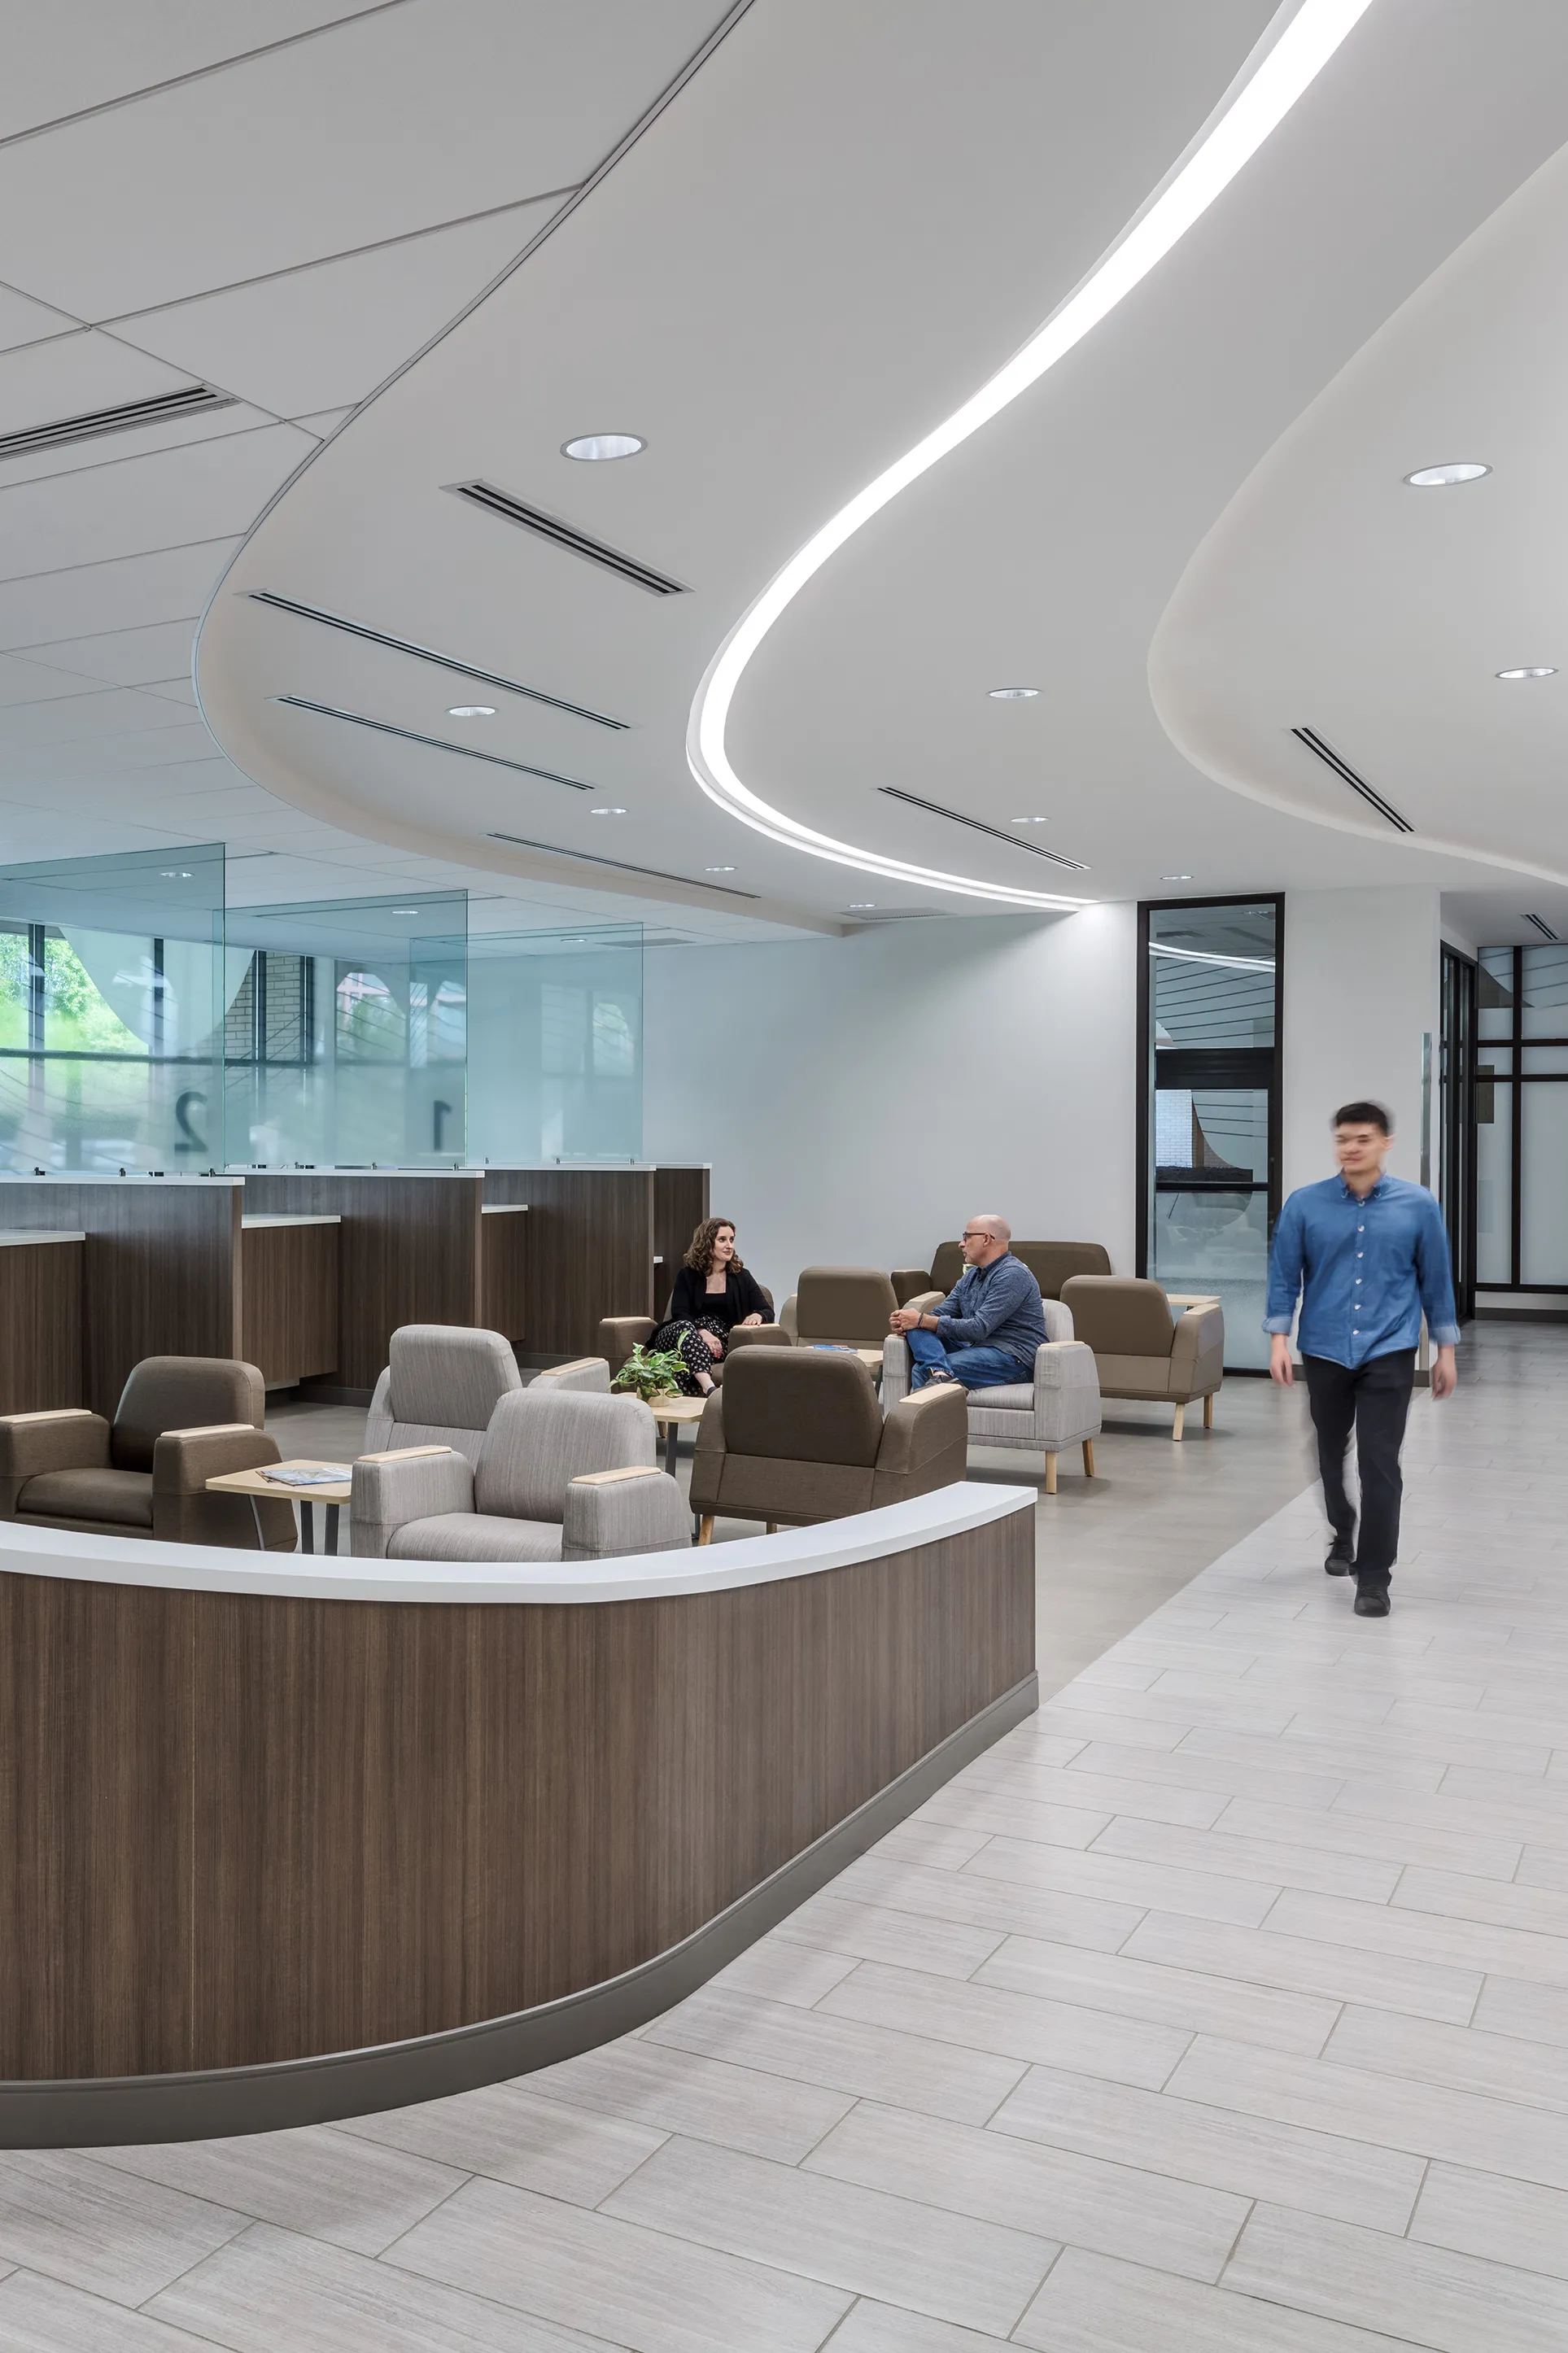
<point x="408" y="1252"/>
<point x="289" y="1310"/>
<point x="503" y="1272"/>
<point x="339" y="1824"/>
<point x="590" y="1249"/>
<point x="160" y="1274"/>
<point x="680" y="1205"/>
<point x="40" y="1326"/>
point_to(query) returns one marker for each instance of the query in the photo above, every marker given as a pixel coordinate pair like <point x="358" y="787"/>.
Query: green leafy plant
<point x="650" y="1373"/>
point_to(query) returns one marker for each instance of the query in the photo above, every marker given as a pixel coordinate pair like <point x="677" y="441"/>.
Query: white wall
<point x="859" y="1098"/>
<point x="1362" y="976"/>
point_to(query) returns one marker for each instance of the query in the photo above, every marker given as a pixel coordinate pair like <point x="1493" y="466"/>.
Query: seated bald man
<point x="986" y="1331"/>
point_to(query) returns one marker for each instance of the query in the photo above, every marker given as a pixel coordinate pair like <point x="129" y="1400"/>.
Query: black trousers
<point x="1372" y="1399"/>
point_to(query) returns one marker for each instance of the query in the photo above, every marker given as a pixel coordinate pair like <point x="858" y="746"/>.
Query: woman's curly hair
<point x="700" y="1254"/>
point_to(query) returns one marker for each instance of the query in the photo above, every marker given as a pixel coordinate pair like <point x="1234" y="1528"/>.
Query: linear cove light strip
<point x="1288" y="68"/>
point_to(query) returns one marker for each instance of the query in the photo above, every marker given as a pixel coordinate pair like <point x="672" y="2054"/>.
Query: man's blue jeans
<point x="973" y="1368"/>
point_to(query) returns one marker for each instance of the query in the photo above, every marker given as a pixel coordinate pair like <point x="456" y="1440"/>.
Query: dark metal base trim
<point x="126" y="2110"/>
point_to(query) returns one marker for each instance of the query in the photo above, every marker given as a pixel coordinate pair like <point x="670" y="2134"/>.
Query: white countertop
<point x="283" y="1218"/>
<point x="16" y="1239"/>
<point x="318" y="1576"/>
<point x="504" y="1209"/>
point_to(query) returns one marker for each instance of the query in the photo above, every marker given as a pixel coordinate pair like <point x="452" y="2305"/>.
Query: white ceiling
<point x="284" y="202"/>
<point x="779" y="335"/>
<point x="833" y="230"/>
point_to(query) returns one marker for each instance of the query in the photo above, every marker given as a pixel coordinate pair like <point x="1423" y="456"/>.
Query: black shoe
<point x="1339" y="1563"/>
<point x="1372" y="1605"/>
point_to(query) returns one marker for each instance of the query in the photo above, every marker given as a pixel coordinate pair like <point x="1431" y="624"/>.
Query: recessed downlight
<point x="1535" y="670"/>
<point x="718" y="870"/>
<point x="593" y="448"/>
<point x="1443" y="477"/>
<point x="1014" y="693"/>
<point x="1029" y="820"/>
<point x="608" y="811"/>
<point x="860" y="906"/>
<point x="470" y="711"/>
<point x="1175" y="878"/>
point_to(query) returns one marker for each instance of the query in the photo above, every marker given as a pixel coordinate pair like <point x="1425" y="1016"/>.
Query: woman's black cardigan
<point x="741" y="1296"/>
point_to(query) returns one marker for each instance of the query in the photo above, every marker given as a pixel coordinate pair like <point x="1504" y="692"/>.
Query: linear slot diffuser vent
<point x="622" y="865"/>
<point x="979" y="825"/>
<point x="1347" y="774"/>
<point x="427" y="653"/>
<point x="565" y="534"/>
<point x="866" y="917"/>
<point x="194" y="400"/>
<point x="1542" y="925"/>
<point x="436" y="743"/>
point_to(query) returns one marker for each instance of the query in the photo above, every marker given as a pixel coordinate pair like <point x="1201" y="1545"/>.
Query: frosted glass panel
<point x="346" y="1033"/>
<point x="111" y="1002"/>
<point x="1546" y="991"/>
<point x="555" y="1046"/>
<point x="1494" y="1176"/>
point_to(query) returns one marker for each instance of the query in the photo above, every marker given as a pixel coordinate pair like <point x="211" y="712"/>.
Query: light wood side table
<point x="259" y="1487"/>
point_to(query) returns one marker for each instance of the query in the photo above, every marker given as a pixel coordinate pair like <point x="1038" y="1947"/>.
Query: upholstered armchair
<point x="181" y="1420"/>
<point x="839" y="1306"/>
<point x="1051" y="1264"/>
<point x="618" y="1335"/>
<point x="1058" y="1408"/>
<point x="794" y="1438"/>
<point x="1142" y="1350"/>
<point x="560" y="1474"/>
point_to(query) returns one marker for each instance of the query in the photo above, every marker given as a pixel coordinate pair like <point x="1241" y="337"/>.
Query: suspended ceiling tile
<point x="80" y="53"/>
<point x="34" y="681"/>
<point x="114" y="711"/>
<point x="127" y="656"/>
<point x="22" y="321"/>
<point x="204" y="491"/>
<point x="323" y="421"/>
<point x="98" y="760"/>
<point x="330" y="333"/>
<point x="81" y="600"/>
<point x="424" y="113"/>
<point x="173" y="690"/>
<point x="72" y="375"/>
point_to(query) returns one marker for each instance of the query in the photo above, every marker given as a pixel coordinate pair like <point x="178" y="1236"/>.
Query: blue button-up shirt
<point x="1364" y="1269"/>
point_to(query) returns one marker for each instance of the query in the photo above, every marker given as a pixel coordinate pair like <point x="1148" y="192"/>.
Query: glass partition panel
<point x="111" y="1003"/>
<point x="556" y="1045"/>
<point x="1213" y="1124"/>
<point x="1543" y="1197"/>
<point x="1544" y="994"/>
<point x="1494" y="993"/>
<point x="346" y="1039"/>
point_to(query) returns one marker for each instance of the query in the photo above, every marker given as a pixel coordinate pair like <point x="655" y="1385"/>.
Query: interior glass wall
<point x="1521" y="1118"/>
<point x="556" y="1045"/>
<point x="346" y="1033"/>
<point x="1210" y="1143"/>
<point x="111" y="1004"/>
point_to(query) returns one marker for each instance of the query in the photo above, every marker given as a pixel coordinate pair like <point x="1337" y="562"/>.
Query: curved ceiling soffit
<point x="413" y="837"/>
<point x="1303" y="37"/>
<point x="1191" y="659"/>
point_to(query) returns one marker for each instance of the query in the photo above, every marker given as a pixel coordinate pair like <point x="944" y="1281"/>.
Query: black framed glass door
<point x="1456" y="1137"/>
<point x="1209" y="1105"/>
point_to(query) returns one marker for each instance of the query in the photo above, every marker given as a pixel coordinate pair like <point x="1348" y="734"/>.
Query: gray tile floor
<point x="1223" y="2008"/>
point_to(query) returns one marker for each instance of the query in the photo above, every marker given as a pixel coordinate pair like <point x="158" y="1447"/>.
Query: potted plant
<point x="650" y="1373"/>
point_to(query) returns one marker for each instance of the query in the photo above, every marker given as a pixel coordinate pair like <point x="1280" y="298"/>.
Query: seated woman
<point x="712" y="1293"/>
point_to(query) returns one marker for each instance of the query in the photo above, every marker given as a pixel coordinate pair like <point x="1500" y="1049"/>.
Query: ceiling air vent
<point x="427" y="653"/>
<point x="565" y="534"/>
<point x="194" y="400"/>
<point x="622" y="865"/>
<point x="979" y="825"/>
<point x="868" y="916"/>
<point x="1347" y="774"/>
<point x="435" y="743"/>
<point x="1542" y="925"/>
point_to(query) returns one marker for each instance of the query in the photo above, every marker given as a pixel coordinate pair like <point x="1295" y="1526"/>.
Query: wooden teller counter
<point x="284" y="1839"/>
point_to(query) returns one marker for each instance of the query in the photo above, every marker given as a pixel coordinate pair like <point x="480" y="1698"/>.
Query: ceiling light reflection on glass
<point x="1537" y="670"/>
<point x="1175" y="878"/>
<point x="1283" y="72"/>
<point x="1029" y="820"/>
<point x="596" y="449"/>
<point x="470" y="711"/>
<point x="718" y="870"/>
<point x="1014" y="693"/>
<point x="606" y="811"/>
<point x="1443" y="477"/>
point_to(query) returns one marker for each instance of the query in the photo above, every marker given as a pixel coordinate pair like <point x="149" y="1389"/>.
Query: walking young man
<point x="1367" y="1253"/>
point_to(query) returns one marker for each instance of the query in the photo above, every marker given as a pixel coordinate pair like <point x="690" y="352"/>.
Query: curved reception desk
<point x="286" y="1839"/>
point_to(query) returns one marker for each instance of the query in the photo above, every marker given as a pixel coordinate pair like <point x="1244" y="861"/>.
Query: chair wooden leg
<point x="1178" y="1416"/>
<point x="1209" y="1410"/>
<point x="705" y="1528"/>
<point x="772" y="1527"/>
<point x="1049" y="1474"/>
<point x="1088" y="1457"/>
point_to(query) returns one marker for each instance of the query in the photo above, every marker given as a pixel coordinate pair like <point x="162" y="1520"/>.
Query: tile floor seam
<point x="1416" y="2202"/>
<point x="252" y="2222"/>
<point x="472" y="2175"/>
